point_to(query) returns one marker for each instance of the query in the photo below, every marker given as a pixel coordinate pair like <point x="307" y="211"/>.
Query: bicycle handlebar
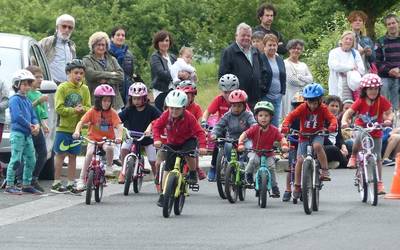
<point x="305" y="134"/>
<point x="192" y="153"/>
<point x="136" y="135"/>
<point x="104" y="140"/>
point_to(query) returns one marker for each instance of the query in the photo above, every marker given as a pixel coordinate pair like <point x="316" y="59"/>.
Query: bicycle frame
<point x="134" y="152"/>
<point x="263" y="168"/>
<point x="234" y="161"/>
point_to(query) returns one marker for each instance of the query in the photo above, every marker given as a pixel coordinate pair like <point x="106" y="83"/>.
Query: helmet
<point x="370" y="80"/>
<point x="264" y="105"/>
<point x="297" y="98"/>
<point x="187" y="86"/>
<point x="75" y="63"/>
<point x="137" y="89"/>
<point x="104" y="90"/>
<point x="228" y="82"/>
<point x="22" y="75"/>
<point x="176" y="99"/>
<point x="313" y="90"/>
<point x="237" y="96"/>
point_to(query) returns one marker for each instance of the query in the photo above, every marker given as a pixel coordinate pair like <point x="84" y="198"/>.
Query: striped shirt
<point x="387" y="55"/>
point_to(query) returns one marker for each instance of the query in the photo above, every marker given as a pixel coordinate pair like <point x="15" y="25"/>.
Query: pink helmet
<point x="370" y="80"/>
<point x="137" y="89"/>
<point x="237" y="96"/>
<point x="104" y="90"/>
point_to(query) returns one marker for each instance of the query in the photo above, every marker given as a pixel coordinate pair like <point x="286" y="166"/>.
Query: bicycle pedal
<point x="194" y="187"/>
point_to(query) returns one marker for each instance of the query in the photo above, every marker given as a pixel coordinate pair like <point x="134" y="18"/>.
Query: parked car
<point x="18" y="52"/>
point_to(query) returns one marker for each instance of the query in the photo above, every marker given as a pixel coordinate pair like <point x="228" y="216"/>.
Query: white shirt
<point x="181" y="65"/>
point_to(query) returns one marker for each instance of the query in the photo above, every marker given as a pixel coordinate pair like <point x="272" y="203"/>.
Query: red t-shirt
<point x="101" y="123"/>
<point x="195" y="110"/>
<point x="219" y="105"/>
<point x="374" y="113"/>
<point x="263" y="139"/>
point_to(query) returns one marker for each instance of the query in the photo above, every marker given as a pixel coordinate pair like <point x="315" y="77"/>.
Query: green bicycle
<point x="234" y="175"/>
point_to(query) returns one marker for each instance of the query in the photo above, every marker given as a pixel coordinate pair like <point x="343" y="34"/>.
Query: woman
<point x="363" y="44"/>
<point x="297" y="73"/>
<point x="342" y="60"/>
<point x="103" y="68"/>
<point x="125" y="59"/>
<point x="275" y="87"/>
<point x="160" y="63"/>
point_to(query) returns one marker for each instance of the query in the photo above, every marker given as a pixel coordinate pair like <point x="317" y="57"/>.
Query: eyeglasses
<point x="100" y="45"/>
<point x="64" y="26"/>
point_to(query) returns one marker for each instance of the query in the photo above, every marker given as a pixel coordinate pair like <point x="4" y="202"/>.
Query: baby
<point x="182" y="69"/>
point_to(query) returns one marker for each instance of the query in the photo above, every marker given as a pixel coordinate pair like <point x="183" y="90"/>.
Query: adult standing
<point x="125" y="59"/>
<point x="266" y="14"/>
<point x="362" y="43"/>
<point x="342" y="61"/>
<point x="59" y="49"/>
<point x="275" y="84"/>
<point x="160" y="64"/>
<point x="244" y="61"/>
<point x="103" y="68"/>
<point x="297" y="73"/>
<point x="388" y="60"/>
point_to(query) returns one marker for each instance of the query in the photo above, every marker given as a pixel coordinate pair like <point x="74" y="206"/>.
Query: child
<point x="72" y="102"/>
<point x="102" y="119"/>
<point x="183" y="65"/>
<point x="39" y="104"/>
<point x="219" y="105"/>
<point x="312" y="114"/>
<point x="23" y="124"/>
<point x="235" y="121"/>
<point x="183" y="133"/>
<point x="137" y="116"/>
<point x="257" y="41"/>
<point x="263" y="135"/>
<point x="371" y="107"/>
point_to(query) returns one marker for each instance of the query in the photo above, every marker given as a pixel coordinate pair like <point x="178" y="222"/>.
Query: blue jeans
<point x="277" y="109"/>
<point x="390" y="90"/>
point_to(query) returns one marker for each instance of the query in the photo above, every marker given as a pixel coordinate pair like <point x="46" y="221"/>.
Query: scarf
<point x="118" y="52"/>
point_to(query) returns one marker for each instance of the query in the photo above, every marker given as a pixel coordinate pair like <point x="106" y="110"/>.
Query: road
<point x="207" y="222"/>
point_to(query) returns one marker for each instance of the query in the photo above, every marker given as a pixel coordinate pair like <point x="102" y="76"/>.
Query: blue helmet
<point x="313" y="90"/>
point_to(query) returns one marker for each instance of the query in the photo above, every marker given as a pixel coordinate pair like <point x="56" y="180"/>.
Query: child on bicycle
<point x="371" y="107"/>
<point x="263" y="135"/>
<point x="72" y="101"/>
<point x="183" y="133"/>
<point x="102" y="119"/>
<point x="137" y="116"/>
<point x="312" y="114"/>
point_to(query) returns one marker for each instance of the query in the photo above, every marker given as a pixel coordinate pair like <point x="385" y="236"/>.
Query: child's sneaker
<point x="388" y="162"/>
<point x="381" y="188"/>
<point x="275" y="192"/>
<point x="31" y="190"/>
<point x="58" y="189"/>
<point x="191" y="178"/>
<point x="325" y="175"/>
<point x="286" y="196"/>
<point x="201" y="173"/>
<point x="80" y="185"/>
<point x="211" y="174"/>
<point x="352" y="162"/>
<point x="13" y="190"/>
<point x="160" y="201"/>
<point x="296" y="192"/>
<point x="73" y="190"/>
<point x="37" y="186"/>
<point x="121" y="178"/>
<point x="249" y="180"/>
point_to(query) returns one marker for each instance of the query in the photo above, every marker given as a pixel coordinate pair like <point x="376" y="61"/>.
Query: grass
<point x="207" y="87"/>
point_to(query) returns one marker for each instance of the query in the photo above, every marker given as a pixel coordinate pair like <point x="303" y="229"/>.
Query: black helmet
<point x="75" y="63"/>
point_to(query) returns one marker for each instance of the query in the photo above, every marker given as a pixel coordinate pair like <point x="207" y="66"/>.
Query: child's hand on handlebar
<point x="240" y="148"/>
<point x="285" y="130"/>
<point x="76" y="135"/>
<point x="202" y="151"/>
<point x="157" y="144"/>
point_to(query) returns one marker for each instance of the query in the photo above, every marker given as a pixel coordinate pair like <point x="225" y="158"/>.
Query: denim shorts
<point x="64" y="143"/>
<point x="302" y="146"/>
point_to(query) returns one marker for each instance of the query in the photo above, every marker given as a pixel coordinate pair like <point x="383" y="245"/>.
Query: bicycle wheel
<point x="242" y="192"/>
<point x="128" y="174"/>
<point x="220" y="171"/>
<point x="169" y="194"/>
<point x="362" y="186"/>
<point x="315" y="193"/>
<point x="180" y="201"/>
<point x="306" y="186"/>
<point x="372" y="182"/>
<point x="262" y="197"/>
<point x="231" y="190"/>
<point x="89" y="187"/>
<point x="98" y="191"/>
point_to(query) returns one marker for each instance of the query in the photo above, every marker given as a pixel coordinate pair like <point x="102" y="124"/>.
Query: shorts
<point x="65" y="144"/>
<point x="302" y="146"/>
<point x="150" y="150"/>
<point x="189" y="145"/>
<point x="377" y="150"/>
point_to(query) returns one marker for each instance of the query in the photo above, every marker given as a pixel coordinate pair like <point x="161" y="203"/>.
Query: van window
<point x="40" y="62"/>
<point x="10" y="62"/>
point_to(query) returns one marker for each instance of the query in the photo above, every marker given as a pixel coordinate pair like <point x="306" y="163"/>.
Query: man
<point x="244" y="61"/>
<point x="388" y="60"/>
<point x="59" y="49"/>
<point x="266" y="14"/>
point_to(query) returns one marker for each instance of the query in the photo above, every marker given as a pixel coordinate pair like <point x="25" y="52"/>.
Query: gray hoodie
<point x="3" y="101"/>
<point x="233" y="125"/>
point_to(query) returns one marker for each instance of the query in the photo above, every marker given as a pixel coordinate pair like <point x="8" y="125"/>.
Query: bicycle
<point x="176" y="188"/>
<point x="134" y="162"/>
<point x="220" y="166"/>
<point x="366" y="176"/>
<point x="292" y="158"/>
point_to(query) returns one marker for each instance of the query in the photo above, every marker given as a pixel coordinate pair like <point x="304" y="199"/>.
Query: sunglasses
<point x="64" y="26"/>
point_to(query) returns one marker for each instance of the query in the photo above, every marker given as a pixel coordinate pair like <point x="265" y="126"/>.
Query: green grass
<point x="207" y="87"/>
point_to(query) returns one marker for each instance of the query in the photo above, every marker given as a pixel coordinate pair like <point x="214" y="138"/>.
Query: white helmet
<point x="21" y="75"/>
<point x="228" y="82"/>
<point x="176" y="99"/>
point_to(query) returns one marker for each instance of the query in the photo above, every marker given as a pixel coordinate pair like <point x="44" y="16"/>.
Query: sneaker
<point x="296" y="192"/>
<point x="275" y="192"/>
<point x="121" y="178"/>
<point x="325" y="176"/>
<point x="352" y="162"/>
<point x="211" y="174"/>
<point x="117" y="162"/>
<point x="191" y="178"/>
<point x="201" y="173"/>
<point x="80" y="186"/>
<point x="13" y="190"/>
<point x="58" y="189"/>
<point x="36" y="185"/>
<point x="381" y="188"/>
<point x="160" y="201"/>
<point x="286" y="196"/>
<point x="30" y="190"/>
<point x="388" y="162"/>
<point x="73" y="190"/>
<point x="146" y="171"/>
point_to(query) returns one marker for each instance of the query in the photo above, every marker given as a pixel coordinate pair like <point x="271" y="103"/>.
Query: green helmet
<point x="264" y="105"/>
<point x="176" y="99"/>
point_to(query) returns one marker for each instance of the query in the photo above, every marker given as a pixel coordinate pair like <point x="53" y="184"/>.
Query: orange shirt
<point x="101" y="123"/>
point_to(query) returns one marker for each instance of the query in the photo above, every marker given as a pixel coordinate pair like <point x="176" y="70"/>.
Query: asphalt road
<point x="207" y="222"/>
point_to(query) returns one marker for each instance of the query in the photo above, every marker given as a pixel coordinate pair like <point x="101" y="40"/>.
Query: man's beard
<point x="63" y="37"/>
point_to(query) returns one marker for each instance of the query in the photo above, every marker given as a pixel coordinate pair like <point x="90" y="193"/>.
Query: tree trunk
<point x="370" y="24"/>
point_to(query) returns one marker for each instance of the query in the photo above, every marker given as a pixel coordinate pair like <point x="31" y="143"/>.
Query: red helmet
<point x="237" y="96"/>
<point x="370" y="80"/>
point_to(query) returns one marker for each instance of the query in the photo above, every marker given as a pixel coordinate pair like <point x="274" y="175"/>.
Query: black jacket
<point x="281" y="47"/>
<point x="160" y="75"/>
<point x="233" y="61"/>
<point x="282" y="74"/>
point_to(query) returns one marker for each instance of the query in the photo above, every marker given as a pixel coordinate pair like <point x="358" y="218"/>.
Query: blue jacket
<point x="22" y="114"/>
